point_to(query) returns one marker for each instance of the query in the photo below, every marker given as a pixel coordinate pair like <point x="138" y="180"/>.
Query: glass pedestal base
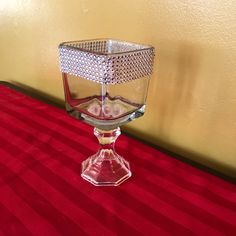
<point x="106" y="167"/>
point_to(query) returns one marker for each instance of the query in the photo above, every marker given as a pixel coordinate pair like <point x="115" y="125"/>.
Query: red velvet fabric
<point x="42" y="193"/>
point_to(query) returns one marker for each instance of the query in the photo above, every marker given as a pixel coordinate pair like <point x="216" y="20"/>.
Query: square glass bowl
<point x="105" y="80"/>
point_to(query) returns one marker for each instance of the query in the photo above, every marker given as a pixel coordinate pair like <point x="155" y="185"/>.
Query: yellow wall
<point x="192" y="98"/>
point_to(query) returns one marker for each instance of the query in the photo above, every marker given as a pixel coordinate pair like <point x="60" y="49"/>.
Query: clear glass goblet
<point x="105" y="83"/>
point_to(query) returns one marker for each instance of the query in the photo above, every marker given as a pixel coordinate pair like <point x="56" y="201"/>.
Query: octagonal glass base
<point x="106" y="167"/>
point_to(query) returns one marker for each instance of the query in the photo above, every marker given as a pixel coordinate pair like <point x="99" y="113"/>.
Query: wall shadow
<point x="180" y="83"/>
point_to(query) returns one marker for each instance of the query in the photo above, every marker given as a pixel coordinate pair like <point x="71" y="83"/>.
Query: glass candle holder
<point x="105" y="83"/>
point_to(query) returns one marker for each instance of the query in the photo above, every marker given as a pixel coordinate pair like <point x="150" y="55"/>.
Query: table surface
<point x="42" y="193"/>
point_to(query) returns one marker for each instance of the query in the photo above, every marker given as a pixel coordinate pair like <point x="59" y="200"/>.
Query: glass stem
<point x="106" y="138"/>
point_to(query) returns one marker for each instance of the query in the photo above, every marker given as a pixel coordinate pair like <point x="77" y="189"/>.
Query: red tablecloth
<point x="42" y="193"/>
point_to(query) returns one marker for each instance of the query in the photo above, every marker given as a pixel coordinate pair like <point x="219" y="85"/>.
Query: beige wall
<point x="192" y="97"/>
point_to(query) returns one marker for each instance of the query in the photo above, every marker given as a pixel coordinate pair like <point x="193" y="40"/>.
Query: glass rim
<point x="144" y="47"/>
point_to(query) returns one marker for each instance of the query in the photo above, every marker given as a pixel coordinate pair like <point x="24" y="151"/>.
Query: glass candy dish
<point x="105" y="83"/>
